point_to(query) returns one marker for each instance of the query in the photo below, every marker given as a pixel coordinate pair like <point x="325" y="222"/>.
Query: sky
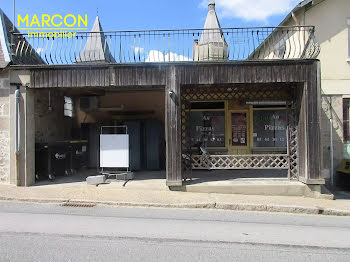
<point x="158" y="14"/>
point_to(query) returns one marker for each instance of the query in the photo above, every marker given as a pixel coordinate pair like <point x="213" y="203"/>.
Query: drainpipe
<point x="17" y="137"/>
<point x="331" y="143"/>
<point x="331" y="150"/>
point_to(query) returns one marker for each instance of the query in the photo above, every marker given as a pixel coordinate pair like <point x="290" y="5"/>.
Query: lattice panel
<point x="236" y="92"/>
<point x="241" y="162"/>
<point x="293" y="143"/>
<point x="185" y="129"/>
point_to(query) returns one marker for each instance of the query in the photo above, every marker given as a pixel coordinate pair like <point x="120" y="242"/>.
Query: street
<point x="50" y="232"/>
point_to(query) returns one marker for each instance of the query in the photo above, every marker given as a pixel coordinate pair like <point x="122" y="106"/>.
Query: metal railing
<point x="227" y="44"/>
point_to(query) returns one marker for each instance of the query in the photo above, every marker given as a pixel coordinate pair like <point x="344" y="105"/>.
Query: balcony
<point x="166" y="46"/>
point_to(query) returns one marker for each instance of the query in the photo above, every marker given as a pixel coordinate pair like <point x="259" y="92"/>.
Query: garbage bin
<point x="41" y="161"/>
<point x="78" y="154"/>
<point x="51" y="160"/>
<point x="343" y="174"/>
<point x="59" y="161"/>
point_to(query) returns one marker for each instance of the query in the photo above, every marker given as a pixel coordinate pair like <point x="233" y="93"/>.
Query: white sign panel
<point x="114" y="151"/>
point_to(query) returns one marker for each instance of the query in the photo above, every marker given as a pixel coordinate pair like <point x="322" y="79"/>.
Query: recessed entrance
<point x="243" y="130"/>
<point x="68" y="126"/>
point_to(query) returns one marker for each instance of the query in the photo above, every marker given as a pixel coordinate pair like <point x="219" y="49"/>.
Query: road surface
<point x="50" y="232"/>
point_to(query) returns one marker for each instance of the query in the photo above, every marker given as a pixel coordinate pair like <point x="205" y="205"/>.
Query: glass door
<point x="239" y="130"/>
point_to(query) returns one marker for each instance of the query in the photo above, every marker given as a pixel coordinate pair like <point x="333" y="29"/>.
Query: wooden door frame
<point x="229" y="146"/>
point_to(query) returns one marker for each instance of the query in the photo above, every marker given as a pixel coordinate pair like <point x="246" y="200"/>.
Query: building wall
<point x="4" y="127"/>
<point x="331" y="31"/>
<point x="50" y="123"/>
<point x="332" y="107"/>
<point x="332" y="34"/>
<point x="330" y="18"/>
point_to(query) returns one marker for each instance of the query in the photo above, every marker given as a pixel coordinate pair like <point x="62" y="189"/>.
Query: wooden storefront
<point x="290" y="89"/>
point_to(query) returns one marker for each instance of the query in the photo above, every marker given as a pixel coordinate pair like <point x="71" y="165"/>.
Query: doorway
<point x="238" y="132"/>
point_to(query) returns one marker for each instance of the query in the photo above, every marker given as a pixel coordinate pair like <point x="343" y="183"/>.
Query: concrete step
<point x="266" y="187"/>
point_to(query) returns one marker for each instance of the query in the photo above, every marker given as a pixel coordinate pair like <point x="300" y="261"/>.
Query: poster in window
<point x="239" y="129"/>
<point x="270" y="128"/>
<point x="207" y="128"/>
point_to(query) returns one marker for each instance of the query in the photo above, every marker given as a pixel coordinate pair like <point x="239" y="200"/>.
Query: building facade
<point x="331" y="19"/>
<point x="198" y="102"/>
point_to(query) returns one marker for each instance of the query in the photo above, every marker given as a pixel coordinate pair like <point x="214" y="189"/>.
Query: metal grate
<point x="78" y="204"/>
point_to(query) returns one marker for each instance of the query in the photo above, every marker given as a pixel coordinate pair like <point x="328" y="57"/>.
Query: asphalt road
<point x="47" y="232"/>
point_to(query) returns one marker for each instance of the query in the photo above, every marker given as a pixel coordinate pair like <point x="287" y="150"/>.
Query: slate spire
<point x="211" y="45"/>
<point x="96" y="49"/>
<point x="212" y="22"/>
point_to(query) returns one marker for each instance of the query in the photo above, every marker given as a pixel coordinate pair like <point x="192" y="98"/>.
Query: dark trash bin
<point x="41" y="161"/>
<point x="343" y="174"/>
<point x="51" y="160"/>
<point x="59" y="161"/>
<point x="78" y="154"/>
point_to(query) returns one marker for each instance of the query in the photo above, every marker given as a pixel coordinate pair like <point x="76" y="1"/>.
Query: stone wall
<point x="4" y="127"/>
<point x="332" y="106"/>
<point x="50" y="123"/>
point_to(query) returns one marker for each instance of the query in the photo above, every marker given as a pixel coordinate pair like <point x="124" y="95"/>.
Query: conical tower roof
<point x="96" y="49"/>
<point x="27" y="56"/>
<point x="212" y="22"/>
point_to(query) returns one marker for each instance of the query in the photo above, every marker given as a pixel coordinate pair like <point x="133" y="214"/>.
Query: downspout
<point x="17" y="136"/>
<point x="331" y="143"/>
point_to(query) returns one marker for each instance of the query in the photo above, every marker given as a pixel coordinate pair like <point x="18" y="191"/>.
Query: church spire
<point x="211" y="5"/>
<point x="212" y="22"/>
<point x="96" y="48"/>
<point x="211" y="45"/>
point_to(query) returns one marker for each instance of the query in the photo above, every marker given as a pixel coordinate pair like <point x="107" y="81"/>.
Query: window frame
<point x="346" y="120"/>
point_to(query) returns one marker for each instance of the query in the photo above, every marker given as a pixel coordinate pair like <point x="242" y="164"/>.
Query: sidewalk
<point x="115" y="194"/>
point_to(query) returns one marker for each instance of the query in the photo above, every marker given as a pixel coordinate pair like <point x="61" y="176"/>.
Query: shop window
<point x="270" y="127"/>
<point x="346" y="121"/>
<point x="68" y="106"/>
<point x="207" y="124"/>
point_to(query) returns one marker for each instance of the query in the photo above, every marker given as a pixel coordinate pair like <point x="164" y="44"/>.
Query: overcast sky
<point x="159" y="14"/>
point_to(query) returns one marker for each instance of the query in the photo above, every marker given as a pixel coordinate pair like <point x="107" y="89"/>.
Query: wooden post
<point x="310" y="153"/>
<point x="173" y="127"/>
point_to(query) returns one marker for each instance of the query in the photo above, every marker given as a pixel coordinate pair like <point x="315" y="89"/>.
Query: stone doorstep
<point x="274" y="188"/>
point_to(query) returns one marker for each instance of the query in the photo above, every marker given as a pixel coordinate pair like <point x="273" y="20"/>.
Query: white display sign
<point x="114" y="151"/>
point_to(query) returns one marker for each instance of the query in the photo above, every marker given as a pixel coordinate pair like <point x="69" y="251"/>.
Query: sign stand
<point x="114" y="152"/>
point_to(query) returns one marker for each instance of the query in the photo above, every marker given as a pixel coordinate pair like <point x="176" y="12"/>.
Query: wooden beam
<point x="309" y="132"/>
<point x="173" y="127"/>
